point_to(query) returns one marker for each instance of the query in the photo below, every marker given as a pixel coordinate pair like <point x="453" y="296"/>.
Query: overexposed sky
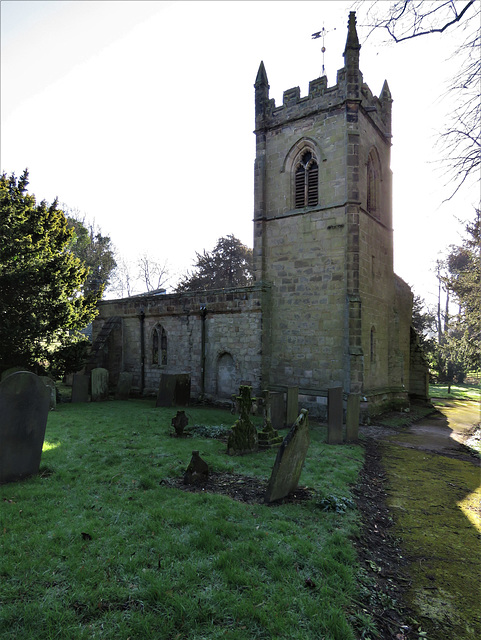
<point x="141" y="116"/>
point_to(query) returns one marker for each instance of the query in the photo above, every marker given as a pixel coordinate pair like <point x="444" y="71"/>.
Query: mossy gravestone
<point x="290" y="460"/>
<point x="24" y="406"/>
<point x="243" y="435"/>
<point x="99" y="383"/>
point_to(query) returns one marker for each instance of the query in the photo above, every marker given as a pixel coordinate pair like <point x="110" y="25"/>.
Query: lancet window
<point x="159" y="346"/>
<point x="306" y="181"/>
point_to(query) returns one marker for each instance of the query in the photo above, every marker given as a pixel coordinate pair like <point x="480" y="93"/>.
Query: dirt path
<point x="430" y="484"/>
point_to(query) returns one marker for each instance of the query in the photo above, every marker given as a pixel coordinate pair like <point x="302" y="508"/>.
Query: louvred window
<point x="307" y="182"/>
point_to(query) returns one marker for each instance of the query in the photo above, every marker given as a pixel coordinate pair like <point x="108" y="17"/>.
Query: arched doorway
<point x="226" y="377"/>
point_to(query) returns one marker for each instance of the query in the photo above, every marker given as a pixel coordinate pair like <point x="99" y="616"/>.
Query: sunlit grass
<point x="98" y="547"/>
<point x="47" y="446"/>
<point x="471" y="507"/>
<point x="457" y="391"/>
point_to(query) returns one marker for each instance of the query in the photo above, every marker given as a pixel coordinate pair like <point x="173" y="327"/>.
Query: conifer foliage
<point x="42" y="303"/>
<point x="229" y="264"/>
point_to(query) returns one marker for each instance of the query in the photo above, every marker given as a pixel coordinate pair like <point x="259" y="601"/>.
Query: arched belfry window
<point x="306" y="188"/>
<point x="373" y="184"/>
<point x="159" y="345"/>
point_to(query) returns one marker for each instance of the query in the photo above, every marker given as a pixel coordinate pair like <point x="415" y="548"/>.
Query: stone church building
<point x="326" y="308"/>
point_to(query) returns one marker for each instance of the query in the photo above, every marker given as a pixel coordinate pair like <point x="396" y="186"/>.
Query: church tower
<point x="334" y="313"/>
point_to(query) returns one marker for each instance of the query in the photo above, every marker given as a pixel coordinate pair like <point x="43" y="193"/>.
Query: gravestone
<point x="269" y="437"/>
<point x="8" y="372"/>
<point x="352" y="417"/>
<point x="278" y="410"/>
<point x="197" y="472"/>
<point x="292" y="404"/>
<point x="174" y="390"/>
<point x="290" y="460"/>
<point x="80" y="388"/>
<point x="123" y="386"/>
<point x="179" y="422"/>
<point x="24" y="406"/>
<point x="50" y="384"/>
<point x="243" y="435"/>
<point x="99" y="384"/>
<point x="334" y="415"/>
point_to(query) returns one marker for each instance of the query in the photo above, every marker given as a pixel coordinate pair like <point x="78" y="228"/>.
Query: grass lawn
<point x="96" y="547"/>
<point x="458" y="391"/>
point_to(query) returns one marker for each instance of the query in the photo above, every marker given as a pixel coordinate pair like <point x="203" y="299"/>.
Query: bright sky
<point x="140" y="115"/>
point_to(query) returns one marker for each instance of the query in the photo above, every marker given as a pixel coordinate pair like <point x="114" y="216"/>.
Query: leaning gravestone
<point x="243" y="435"/>
<point x="352" y="417"/>
<point x="290" y="460"/>
<point x="334" y="415"/>
<point x="24" y="406"/>
<point x="124" y="385"/>
<point x="80" y="388"/>
<point x="99" y="384"/>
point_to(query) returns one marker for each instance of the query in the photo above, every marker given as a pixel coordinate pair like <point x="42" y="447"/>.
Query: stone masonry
<point x="326" y="309"/>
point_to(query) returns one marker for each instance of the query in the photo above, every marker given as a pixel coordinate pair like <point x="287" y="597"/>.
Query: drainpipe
<point x="203" y="314"/>
<point x="142" y="352"/>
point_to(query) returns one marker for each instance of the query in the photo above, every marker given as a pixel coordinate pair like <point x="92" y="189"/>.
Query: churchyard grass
<point x="96" y="547"/>
<point x="457" y="391"/>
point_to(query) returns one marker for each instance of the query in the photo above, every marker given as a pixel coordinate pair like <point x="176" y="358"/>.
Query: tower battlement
<point x="349" y="87"/>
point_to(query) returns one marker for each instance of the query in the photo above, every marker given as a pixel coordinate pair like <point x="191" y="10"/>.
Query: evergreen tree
<point x="229" y="264"/>
<point x="42" y="303"/>
<point x="463" y="282"/>
<point x="94" y="250"/>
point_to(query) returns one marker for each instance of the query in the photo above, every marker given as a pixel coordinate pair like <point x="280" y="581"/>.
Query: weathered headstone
<point x="243" y="435"/>
<point x="123" y="386"/>
<point x="174" y="390"/>
<point x="182" y="390"/>
<point x="197" y="472"/>
<point x="334" y="415"/>
<point x="290" y="460"/>
<point x="278" y="410"/>
<point x="292" y="404"/>
<point x="99" y="384"/>
<point x="352" y="417"/>
<point x="269" y="437"/>
<point x="24" y="406"/>
<point x="179" y="422"/>
<point x="80" y="388"/>
<point x="50" y="384"/>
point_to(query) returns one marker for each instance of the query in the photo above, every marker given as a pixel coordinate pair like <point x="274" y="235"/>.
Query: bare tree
<point x="122" y="282"/>
<point x="407" y="19"/>
<point x="153" y="273"/>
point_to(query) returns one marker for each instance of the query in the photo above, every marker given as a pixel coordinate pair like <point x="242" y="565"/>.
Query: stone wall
<point x="224" y="325"/>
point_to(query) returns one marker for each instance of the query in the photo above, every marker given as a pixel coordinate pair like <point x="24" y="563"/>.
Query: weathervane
<point x="322" y="34"/>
